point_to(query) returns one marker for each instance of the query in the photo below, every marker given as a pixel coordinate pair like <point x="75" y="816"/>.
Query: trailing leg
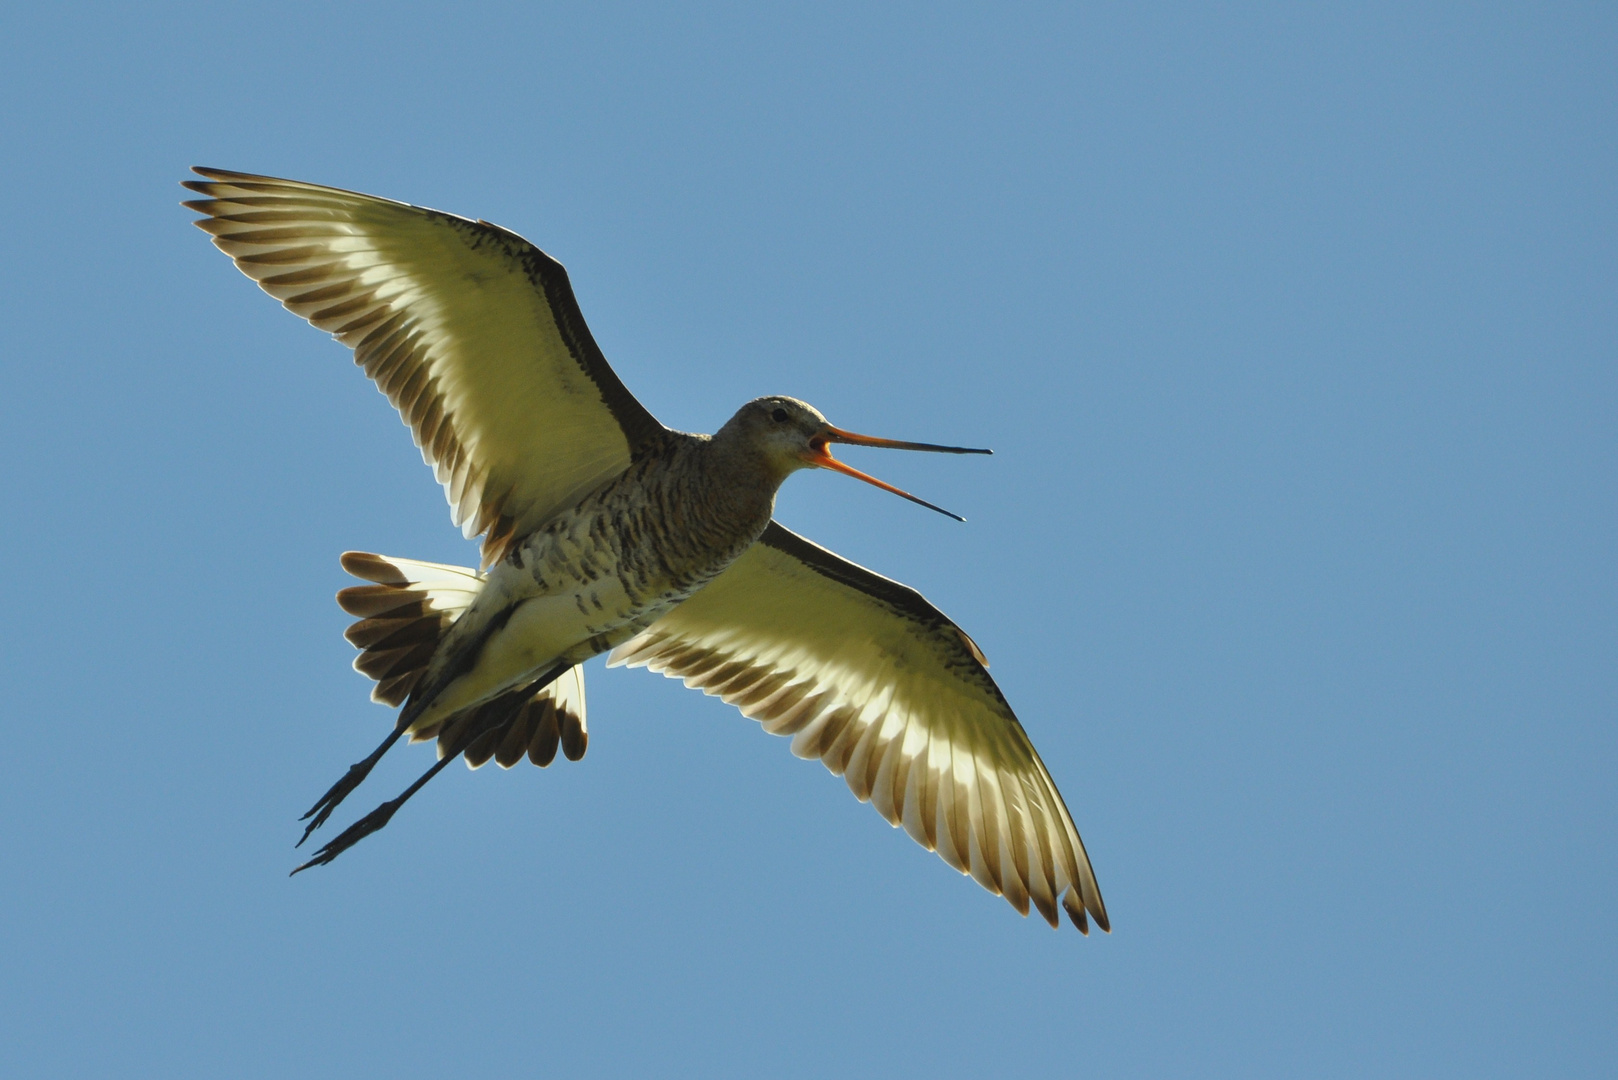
<point x="339" y="791"/>
<point x="402" y="617"/>
<point x="489" y="716"/>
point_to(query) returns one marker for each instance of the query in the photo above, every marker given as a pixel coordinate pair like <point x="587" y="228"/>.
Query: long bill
<point x="819" y="455"/>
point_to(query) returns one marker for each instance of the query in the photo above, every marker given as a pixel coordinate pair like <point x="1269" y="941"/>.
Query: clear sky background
<point x="1293" y="331"/>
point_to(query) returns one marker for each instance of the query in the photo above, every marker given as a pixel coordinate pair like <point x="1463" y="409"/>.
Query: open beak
<point x="819" y="455"/>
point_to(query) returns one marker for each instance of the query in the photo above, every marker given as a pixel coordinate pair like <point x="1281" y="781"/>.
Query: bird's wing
<point x="471" y="331"/>
<point x="877" y="683"/>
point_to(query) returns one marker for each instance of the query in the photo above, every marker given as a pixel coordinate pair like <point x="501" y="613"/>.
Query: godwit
<point x="604" y="530"/>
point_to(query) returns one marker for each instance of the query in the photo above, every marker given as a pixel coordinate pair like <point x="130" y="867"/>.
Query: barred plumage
<point x="604" y="530"/>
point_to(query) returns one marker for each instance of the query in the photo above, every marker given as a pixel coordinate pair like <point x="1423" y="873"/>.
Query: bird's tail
<point x="401" y="618"/>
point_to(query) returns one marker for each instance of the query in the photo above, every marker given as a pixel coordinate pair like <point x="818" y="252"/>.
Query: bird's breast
<point x="623" y="558"/>
<point x="590" y="579"/>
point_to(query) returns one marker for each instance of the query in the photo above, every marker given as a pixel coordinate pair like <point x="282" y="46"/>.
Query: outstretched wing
<point x="471" y="332"/>
<point x="877" y="683"/>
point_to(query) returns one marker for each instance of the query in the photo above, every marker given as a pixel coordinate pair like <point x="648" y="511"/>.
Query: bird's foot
<point x="339" y="791"/>
<point x="352" y="835"/>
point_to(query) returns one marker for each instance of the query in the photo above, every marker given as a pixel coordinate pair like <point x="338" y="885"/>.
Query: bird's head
<point x="790" y="435"/>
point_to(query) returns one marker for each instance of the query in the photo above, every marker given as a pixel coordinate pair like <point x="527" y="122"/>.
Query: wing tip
<point x="1079" y="913"/>
<point x="222" y="174"/>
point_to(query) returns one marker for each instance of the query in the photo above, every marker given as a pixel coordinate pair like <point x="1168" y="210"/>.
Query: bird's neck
<point x="734" y="485"/>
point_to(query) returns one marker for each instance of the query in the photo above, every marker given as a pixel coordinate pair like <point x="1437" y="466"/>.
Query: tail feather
<point x="553" y="716"/>
<point x="401" y="619"/>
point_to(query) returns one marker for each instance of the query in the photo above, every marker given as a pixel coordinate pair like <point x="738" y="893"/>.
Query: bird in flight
<point x="603" y="531"/>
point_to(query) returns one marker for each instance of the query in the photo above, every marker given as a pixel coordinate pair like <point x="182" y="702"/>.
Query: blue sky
<point x="1293" y="330"/>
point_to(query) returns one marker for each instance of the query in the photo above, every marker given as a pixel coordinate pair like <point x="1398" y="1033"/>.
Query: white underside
<point x="560" y="616"/>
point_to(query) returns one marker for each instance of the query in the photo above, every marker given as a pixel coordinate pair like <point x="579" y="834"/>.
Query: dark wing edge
<point x="550" y="278"/>
<point x="887" y="692"/>
<point x="398" y="284"/>
<point x="902" y="598"/>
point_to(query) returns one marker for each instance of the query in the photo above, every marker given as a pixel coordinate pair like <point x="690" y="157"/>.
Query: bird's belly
<point x="570" y="625"/>
<point x="589" y="581"/>
<point x="547" y="629"/>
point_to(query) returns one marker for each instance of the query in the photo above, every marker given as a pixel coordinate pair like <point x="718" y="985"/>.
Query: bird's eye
<point x="779" y="416"/>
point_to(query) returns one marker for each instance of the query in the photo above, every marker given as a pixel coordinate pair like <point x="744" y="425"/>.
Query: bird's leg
<point x="358" y="771"/>
<point x="375" y="820"/>
<point x="495" y="713"/>
<point x="339" y="791"/>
